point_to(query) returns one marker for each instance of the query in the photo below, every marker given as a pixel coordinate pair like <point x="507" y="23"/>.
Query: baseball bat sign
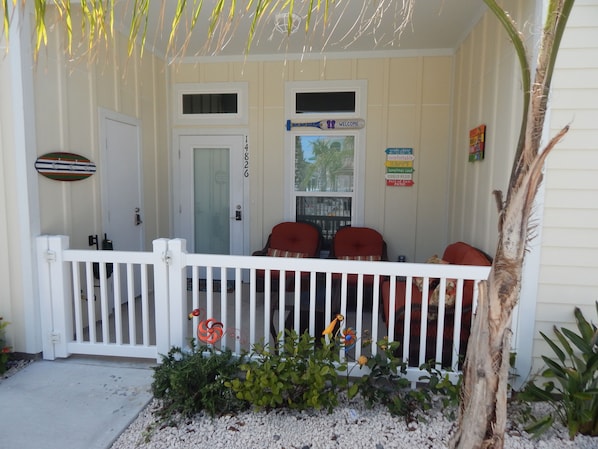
<point x="355" y="123"/>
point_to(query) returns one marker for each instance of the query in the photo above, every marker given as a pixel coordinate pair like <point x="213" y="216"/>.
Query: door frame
<point x="176" y="179"/>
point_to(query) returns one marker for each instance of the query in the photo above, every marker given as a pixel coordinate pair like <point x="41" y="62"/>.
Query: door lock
<point x="138" y="220"/>
<point x="238" y="215"/>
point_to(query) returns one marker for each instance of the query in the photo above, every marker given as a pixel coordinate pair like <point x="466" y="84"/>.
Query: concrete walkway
<point x="75" y="403"/>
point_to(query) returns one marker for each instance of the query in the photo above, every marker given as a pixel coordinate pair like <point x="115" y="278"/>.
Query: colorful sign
<point x="399" y="170"/>
<point x="399" y="167"/>
<point x="330" y="124"/>
<point x="399" y="183"/>
<point x="477" y="143"/>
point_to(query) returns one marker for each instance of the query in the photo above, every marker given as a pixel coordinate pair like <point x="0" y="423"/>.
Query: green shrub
<point x="297" y="375"/>
<point x="386" y="384"/>
<point x="386" y="376"/>
<point x="571" y="386"/>
<point x="188" y="382"/>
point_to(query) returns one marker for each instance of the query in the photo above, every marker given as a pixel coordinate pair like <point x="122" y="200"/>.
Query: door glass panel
<point x="211" y="200"/>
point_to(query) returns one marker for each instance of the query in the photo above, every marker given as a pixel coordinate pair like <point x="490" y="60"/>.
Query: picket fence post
<point x="56" y="302"/>
<point x="161" y="296"/>
<point x="177" y="291"/>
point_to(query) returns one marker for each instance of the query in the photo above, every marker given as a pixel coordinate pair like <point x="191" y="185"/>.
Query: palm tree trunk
<point x="484" y="395"/>
<point x="483" y="412"/>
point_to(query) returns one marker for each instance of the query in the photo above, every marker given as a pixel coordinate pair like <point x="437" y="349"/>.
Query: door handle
<point x="138" y="220"/>
<point x="238" y="214"/>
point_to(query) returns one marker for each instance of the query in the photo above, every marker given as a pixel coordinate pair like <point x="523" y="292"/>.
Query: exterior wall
<point x="408" y="106"/>
<point x="487" y="90"/>
<point x="569" y="259"/>
<point x="68" y="94"/>
<point x="19" y="220"/>
<point x="54" y="107"/>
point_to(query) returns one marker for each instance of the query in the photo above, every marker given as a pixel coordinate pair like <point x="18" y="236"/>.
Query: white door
<point x="121" y="185"/>
<point x="211" y="215"/>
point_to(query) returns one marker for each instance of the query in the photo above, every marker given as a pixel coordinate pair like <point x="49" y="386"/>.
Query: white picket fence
<point x="143" y="308"/>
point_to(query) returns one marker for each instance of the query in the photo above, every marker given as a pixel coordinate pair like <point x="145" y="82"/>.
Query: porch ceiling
<point x="436" y="24"/>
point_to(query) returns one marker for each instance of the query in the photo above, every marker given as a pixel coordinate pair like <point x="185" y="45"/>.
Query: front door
<point x="122" y="198"/>
<point x="211" y="215"/>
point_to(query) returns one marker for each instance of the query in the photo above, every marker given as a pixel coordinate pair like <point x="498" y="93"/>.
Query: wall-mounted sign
<point x="477" y="143"/>
<point x="354" y="123"/>
<point x="65" y="166"/>
<point x="399" y="167"/>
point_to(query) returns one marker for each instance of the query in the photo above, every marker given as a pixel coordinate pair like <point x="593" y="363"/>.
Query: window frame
<point x="358" y="194"/>
<point x="241" y="117"/>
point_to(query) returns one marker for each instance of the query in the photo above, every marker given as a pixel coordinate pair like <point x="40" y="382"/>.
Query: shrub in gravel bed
<point x="188" y="382"/>
<point x="297" y="374"/>
<point x="386" y="384"/>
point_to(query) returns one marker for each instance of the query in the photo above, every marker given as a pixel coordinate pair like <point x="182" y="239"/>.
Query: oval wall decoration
<point x="65" y="166"/>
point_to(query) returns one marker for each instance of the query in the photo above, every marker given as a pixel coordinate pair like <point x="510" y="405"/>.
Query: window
<point x="211" y="103"/>
<point x="325" y="184"/>
<point x="314" y="102"/>
<point x="324" y="165"/>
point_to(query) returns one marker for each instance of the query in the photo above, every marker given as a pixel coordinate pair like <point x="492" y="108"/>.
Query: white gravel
<point x="351" y="425"/>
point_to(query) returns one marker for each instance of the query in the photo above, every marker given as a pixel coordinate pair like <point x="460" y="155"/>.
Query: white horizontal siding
<point x="569" y="260"/>
<point x="582" y="118"/>
<point x="584" y="216"/>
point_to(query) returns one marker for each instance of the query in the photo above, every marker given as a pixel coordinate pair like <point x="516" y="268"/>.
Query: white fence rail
<point x="138" y="304"/>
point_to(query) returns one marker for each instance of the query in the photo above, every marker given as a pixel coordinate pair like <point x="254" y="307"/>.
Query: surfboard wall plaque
<point x="65" y="166"/>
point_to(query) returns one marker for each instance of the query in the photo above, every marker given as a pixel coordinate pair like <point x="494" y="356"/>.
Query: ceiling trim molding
<point x="315" y="56"/>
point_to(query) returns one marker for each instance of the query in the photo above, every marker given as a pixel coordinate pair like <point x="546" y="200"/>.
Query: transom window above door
<point x="211" y="103"/>
<point x="325" y="179"/>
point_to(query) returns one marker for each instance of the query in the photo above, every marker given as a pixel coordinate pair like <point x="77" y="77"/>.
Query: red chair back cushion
<point x="358" y="243"/>
<point x="296" y="237"/>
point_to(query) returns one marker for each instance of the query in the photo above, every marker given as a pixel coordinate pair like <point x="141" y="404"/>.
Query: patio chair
<point x="458" y="253"/>
<point x="288" y="239"/>
<point x="356" y="243"/>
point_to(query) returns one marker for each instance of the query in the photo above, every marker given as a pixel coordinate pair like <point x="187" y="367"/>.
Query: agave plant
<point x="571" y="386"/>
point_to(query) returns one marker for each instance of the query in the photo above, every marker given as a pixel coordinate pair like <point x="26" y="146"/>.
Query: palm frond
<point x="519" y="46"/>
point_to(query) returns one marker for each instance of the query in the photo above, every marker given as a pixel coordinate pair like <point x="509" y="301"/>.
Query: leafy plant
<point x="441" y="386"/>
<point x="386" y="375"/>
<point x="386" y="384"/>
<point x="571" y="388"/>
<point x="4" y="348"/>
<point x="191" y="381"/>
<point x="297" y="375"/>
